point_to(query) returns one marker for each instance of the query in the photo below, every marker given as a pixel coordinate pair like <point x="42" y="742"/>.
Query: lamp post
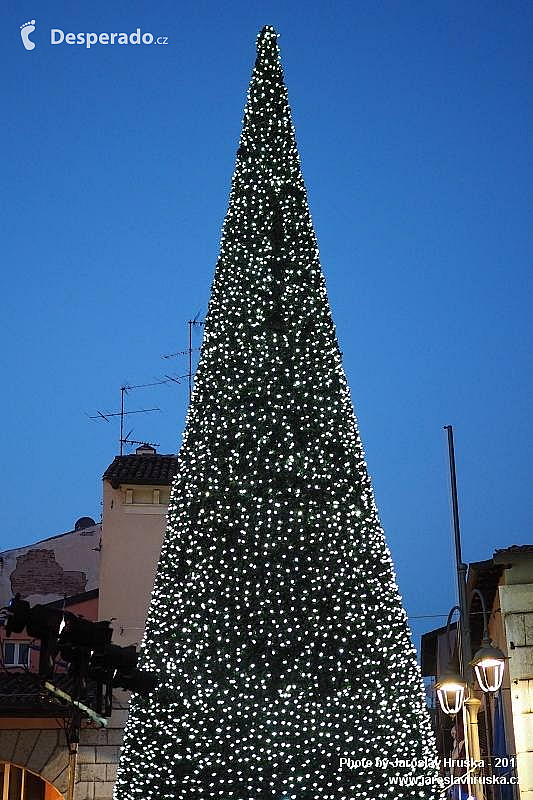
<point x="488" y="662"/>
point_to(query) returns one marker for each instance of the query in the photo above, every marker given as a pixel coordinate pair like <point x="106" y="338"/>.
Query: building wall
<point x="134" y="519"/>
<point x="516" y="603"/>
<point x="120" y="558"/>
<point x="123" y="568"/>
<point x="97" y="758"/>
<point x="40" y="746"/>
<point x="67" y="564"/>
<point x="498" y="637"/>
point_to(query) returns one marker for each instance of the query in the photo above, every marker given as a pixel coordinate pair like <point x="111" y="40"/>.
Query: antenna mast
<point x="192" y="323"/>
<point x="125" y="388"/>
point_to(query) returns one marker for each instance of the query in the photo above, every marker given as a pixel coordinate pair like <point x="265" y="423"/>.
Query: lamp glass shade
<point x="489" y="664"/>
<point x="489" y="673"/>
<point x="451" y="694"/>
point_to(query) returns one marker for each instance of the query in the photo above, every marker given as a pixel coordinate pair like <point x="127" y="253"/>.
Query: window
<point x="17" y="783"/>
<point x="16" y="654"/>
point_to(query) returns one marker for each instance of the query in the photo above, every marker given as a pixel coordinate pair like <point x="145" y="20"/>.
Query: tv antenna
<point x="127" y="440"/>
<point x="123" y="413"/>
<point x="192" y="323"/>
<point x="166" y="379"/>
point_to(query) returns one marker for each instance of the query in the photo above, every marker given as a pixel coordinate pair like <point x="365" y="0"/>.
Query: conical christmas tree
<point x="276" y="629"/>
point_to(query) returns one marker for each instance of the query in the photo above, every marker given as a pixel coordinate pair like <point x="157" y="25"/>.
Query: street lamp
<point x="451" y="692"/>
<point x="451" y="687"/>
<point x="489" y="665"/>
<point x="488" y="662"/>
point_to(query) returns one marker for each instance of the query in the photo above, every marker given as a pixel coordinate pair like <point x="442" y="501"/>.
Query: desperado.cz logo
<point x="88" y="39"/>
<point x="57" y="36"/>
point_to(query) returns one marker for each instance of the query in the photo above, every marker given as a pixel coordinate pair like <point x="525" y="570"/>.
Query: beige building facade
<point x="514" y="635"/>
<point x="136" y="491"/>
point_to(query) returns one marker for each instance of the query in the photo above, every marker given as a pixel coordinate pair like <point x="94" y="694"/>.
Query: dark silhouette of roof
<point x="513" y="550"/>
<point x="138" y="469"/>
<point x="74" y="599"/>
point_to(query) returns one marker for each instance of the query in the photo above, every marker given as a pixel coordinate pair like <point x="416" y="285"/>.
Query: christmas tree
<point x="276" y="628"/>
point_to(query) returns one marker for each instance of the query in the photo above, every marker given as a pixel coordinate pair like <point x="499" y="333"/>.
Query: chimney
<point x="146" y="450"/>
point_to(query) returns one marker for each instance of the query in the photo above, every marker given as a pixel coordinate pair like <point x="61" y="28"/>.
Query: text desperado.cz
<point x="57" y="37"/>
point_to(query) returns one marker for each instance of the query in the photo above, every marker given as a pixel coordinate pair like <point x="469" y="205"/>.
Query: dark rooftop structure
<point x="23" y="694"/>
<point x="144" y="467"/>
<point x="512" y="552"/>
<point x="74" y="599"/>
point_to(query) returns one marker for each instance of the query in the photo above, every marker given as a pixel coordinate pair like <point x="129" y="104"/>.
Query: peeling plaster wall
<point x="47" y="570"/>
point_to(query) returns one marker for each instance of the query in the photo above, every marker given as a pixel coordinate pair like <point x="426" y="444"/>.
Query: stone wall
<point x="97" y="759"/>
<point x="42" y="751"/>
<point x="45" y="752"/>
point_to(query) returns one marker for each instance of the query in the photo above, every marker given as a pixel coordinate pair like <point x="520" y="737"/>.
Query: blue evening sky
<point x="414" y="124"/>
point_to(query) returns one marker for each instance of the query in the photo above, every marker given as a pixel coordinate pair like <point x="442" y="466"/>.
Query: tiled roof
<point x="514" y="550"/>
<point x="22" y="694"/>
<point x="150" y="470"/>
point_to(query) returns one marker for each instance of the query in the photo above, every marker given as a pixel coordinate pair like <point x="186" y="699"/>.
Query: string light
<point x="276" y="627"/>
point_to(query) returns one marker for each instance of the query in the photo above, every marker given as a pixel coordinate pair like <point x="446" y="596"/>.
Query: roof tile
<point x="151" y="470"/>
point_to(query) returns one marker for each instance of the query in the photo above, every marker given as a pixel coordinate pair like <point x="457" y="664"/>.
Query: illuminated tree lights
<point x="275" y="627"/>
